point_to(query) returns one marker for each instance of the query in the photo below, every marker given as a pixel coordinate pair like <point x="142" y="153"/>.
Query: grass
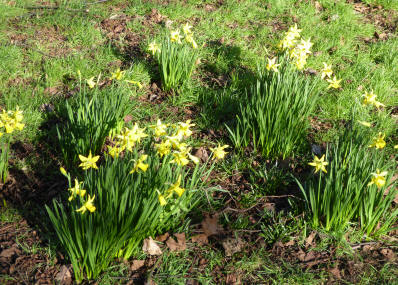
<point x="41" y="54"/>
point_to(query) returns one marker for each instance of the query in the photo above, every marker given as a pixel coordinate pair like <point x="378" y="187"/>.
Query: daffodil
<point x="187" y="29"/>
<point x="88" y="162"/>
<point x="218" y="152"/>
<point x="300" y="63"/>
<point x="138" y="84"/>
<point x="334" y="83"/>
<point x="140" y="165"/>
<point x="319" y="164"/>
<point x="176" y="187"/>
<point x="63" y="171"/>
<point x="366" y="124"/>
<point x="88" y="205"/>
<point x="379" y="142"/>
<point x="175" y="36"/>
<point x="180" y="158"/>
<point x="114" y="151"/>
<point x="326" y="70"/>
<point x="118" y="74"/>
<point x="370" y="99"/>
<point x="163" y="148"/>
<point x="305" y="46"/>
<point x="154" y="48"/>
<point x="90" y="82"/>
<point x="160" y="128"/>
<point x="272" y="65"/>
<point x="189" y="39"/>
<point x="378" y="178"/>
<point x="162" y="199"/>
<point x="76" y="190"/>
<point x="175" y="140"/>
<point x="183" y="128"/>
<point x="294" y="31"/>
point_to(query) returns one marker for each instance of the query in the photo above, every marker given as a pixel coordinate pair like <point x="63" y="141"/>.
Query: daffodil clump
<point x="146" y="182"/>
<point x="177" y="57"/>
<point x="350" y="186"/>
<point x="10" y="122"/>
<point x="297" y="49"/>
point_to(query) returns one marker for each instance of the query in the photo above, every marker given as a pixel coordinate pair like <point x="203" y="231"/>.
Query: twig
<point x="96" y="2"/>
<point x="356" y="246"/>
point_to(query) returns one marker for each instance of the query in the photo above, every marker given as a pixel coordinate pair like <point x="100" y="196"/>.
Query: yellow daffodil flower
<point x="187" y="29"/>
<point x="218" y="152"/>
<point x="118" y="74"/>
<point x="180" y="158"/>
<point x="88" y="205"/>
<point x="334" y="83"/>
<point x="300" y="63"/>
<point x="378" y="142"/>
<point x="63" y="171"/>
<point x="366" y="124"/>
<point x="114" y="151"/>
<point x="189" y="39"/>
<point x="183" y="128"/>
<point x="160" y="128"/>
<point x="138" y="84"/>
<point x="154" y="48"/>
<point x="162" y="199"/>
<point x="378" y="178"/>
<point x="163" y="148"/>
<point x="305" y="46"/>
<point x="140" y="165"/>
<point x="294" y="31"/>
<point x="370" y="99"/>
<point x="90" y="82"/>
<point x="176" y="188"/>
<point x="88" y="162"/>
<point x="175" y="36"/>
<point x="271" y="65"/>
<point x="319" y="164"/>
<point x="76" y="190"/>
<point x="326" y="70"/>
<point x="175" y="140"/>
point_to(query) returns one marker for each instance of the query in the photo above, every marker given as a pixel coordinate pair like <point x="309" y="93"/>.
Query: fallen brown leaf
<point x="162" y="238"/>
<point x="309" y="240"/>
<point x="178" y="245"/>
<point x="64" y="277"/>
<point x="201" y="239"/>
<point x="137" y="264"/>
<point x="151" y="247"/>
<point x="210" y="225"/>
<point x="232" y="245"/>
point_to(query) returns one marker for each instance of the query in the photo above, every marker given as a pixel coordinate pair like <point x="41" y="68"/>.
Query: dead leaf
<point x="388" y="253"/>
<point x="178" y="245"/>
<point x="137" y="264"/>
<point x="210" y="225"/>
<point x="8" y="254"/>
<point x="64" y="276"/>
<point x="289" y="243"/>
<point x="318" y="6"/>
<point x="232" y="245"/>
<point x="51" y="90"/>
<point x="163" y="238"/>
<point x="310" y="239"/>
<point x="128" y="118"/>
<point x="201" y="239"/>
<point x="151" y="247"/>
<point x="335" y="272"/>
<point x="233" y="279"/>
<point x="202" y="154"/>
